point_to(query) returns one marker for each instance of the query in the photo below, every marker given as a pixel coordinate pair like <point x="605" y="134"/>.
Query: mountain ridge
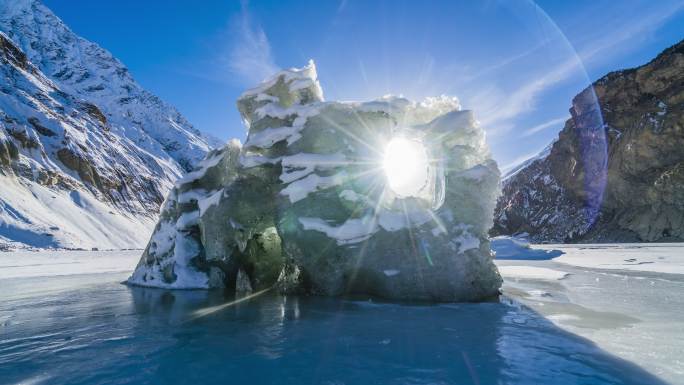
<point x="570" y="196"/>
<point x="86" y="154"/>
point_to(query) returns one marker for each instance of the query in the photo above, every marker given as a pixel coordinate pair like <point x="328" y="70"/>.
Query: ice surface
<point x="658" y="257"/>
<point x="654" y="257"/>
<point x="32" y="264"/>
<point x="531" y="272"/>
<point x="631" y="309"/>
<point x="594" y="326"/>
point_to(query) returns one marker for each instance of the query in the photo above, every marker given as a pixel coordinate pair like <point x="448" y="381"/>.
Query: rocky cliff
<point x="86" y="154"/>
<point x="613" y="176"/>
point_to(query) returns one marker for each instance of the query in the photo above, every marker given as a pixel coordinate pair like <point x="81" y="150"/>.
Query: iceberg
<point x="390" y="198"/>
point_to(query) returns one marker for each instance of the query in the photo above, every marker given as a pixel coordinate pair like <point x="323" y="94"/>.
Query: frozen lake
<point x="581" y="317"/>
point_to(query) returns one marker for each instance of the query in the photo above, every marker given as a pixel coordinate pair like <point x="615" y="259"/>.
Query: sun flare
<point x="406" y="166"/>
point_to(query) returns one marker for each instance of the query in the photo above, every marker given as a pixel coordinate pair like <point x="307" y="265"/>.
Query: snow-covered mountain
<point x="613" y="176"/>
<point x="86" y="154"/>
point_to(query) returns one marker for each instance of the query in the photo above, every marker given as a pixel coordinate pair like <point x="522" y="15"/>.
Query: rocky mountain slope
<point x="617" y="176"/>
<point x="86" y="154"/>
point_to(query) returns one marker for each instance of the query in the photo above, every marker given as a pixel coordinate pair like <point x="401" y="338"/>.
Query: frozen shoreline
<point x="667" y="258"/>
<point x="49" y="263"/>
<point x="626" y="298"/>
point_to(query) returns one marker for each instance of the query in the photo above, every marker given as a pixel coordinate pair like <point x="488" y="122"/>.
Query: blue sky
<point x="517" y="64"/>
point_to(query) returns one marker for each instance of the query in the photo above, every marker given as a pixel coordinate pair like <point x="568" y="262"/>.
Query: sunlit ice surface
<point x="86" y="327"/>
<point x="405" y="163"/>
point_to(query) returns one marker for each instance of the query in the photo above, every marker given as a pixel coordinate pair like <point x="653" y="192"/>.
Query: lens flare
<point x="406" y="166"/>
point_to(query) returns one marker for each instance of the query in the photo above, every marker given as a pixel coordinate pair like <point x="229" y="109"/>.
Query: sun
<point x="406" y="166"/>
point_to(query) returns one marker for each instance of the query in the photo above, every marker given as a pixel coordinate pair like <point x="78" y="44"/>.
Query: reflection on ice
<point x="213" y="309"/>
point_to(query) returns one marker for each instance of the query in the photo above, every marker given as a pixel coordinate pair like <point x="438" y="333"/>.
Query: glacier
<point x="309" y="203"/>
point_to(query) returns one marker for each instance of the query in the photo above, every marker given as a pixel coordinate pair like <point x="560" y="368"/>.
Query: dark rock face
<point x="616" y="179"/>
<point x="13" y="54"/>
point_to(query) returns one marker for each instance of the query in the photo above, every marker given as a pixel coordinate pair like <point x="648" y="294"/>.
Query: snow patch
<point x="531" y="272"/>
<point x="301" y="188"/>
<point x="351" y="231"/>
<point x="212" y="199"/>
